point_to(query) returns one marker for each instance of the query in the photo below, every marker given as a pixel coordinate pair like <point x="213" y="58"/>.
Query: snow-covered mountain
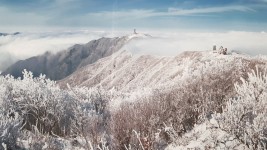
<point x="59" y="65"/>
<point x="122" y="99"/>
<point x="126" y="71"/>
<point x="178" y="89"/>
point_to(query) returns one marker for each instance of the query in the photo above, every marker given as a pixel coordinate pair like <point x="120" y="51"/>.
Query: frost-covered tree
<point x="39" y="101"/>
<point x="91" y="115"/>
<point x="245" y="115"/>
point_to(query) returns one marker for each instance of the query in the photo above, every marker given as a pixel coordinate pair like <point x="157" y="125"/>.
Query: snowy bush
<point x="91" y="115"/>
<point x="169" y="113"/>
<point x="165" y="115"/>
<point x="245" y="115"/>
<point x="9" y="131"/>
<point x="37" y="100"/>
<point x="40" y="106"/>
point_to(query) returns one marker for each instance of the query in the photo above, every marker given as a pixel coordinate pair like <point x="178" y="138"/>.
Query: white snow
<point x="207" y="136"/>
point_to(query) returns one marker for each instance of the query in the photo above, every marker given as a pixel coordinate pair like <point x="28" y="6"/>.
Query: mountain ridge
<point x="58" y="66"/>
<point x="126" y="72"/>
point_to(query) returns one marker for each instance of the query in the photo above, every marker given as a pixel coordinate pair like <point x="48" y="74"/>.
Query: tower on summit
<point x="135" y="31"/>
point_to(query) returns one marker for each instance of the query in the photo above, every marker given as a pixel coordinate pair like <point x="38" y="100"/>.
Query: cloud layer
<point x="13" y="48"/>
<point x="171" y="44"/>
<point x="142" y="13"/>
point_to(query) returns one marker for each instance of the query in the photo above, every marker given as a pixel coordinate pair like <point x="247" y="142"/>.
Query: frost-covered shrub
<point x="205" y="90"/>
<point x="83" y="115"/>
<point x="245" y="115"/>
<point x="39" y="101"/>
<point x="91" y="115"/>
<point x="44" y="108"/>
<point x="37" y="141"/>
<point x="9" y="132"/>
<point x="158" y="120"/>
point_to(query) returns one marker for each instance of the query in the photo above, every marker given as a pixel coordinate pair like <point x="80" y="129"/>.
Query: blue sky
<point x="214" y="15"/>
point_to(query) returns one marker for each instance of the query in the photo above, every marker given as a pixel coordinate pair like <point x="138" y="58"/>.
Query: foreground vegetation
<point x="36" y="114"/>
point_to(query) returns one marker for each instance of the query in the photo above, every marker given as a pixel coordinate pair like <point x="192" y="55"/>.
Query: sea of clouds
<point x="171" y="44"/>
<point x="28" y="44"/>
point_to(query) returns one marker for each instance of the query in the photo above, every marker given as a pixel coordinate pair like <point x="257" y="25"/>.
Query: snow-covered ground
<point x="207" y="135"/>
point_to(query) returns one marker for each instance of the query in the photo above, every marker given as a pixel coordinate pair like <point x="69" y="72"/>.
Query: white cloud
<point x="141" y="13"/>
<point x="174" y="11"/>
<point x="59" y="13"/>
<point x="171" y="44"/>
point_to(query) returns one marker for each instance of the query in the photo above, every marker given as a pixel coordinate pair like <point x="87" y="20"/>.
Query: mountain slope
<point x="127" y="72"/>
<point x="62" y="64"/>
<point x="170" y="98"/>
